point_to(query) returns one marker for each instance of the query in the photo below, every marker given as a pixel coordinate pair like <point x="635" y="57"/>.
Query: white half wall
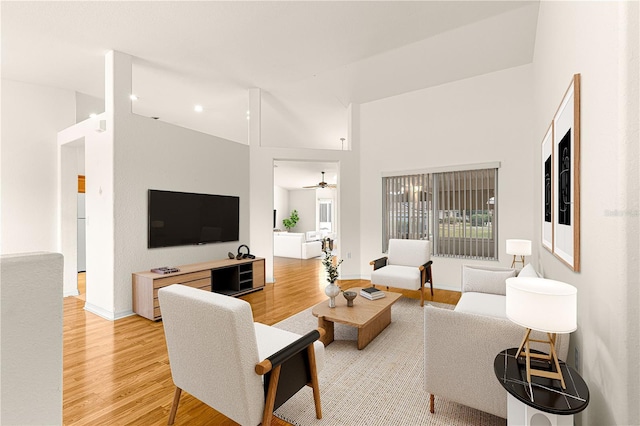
<point x="31" y="339"/>
<point x="477" y="120"/>
<point x="31" y="117"/>
<point x="600" y="41"/>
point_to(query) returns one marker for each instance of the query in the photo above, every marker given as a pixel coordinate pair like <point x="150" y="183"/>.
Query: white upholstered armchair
<point x="408" y="266"/>
<point x="242" y="369"/>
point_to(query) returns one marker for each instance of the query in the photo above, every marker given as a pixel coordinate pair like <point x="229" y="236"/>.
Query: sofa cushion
<point x="409" y="252"/>
<point x="313" y="236"/>
<point x="486" y="280"/>
<point x="311" y="249"/>
<point x="406" y="277"/>
<point x="529" y="271"/>
<point x="490" y="305"/>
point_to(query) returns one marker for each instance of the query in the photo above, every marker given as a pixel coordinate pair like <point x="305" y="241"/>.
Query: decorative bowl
<point x="349" y="295"/>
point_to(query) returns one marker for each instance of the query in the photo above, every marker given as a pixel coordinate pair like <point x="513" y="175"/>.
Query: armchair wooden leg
<point x="314" y="380"/>
<point x="422" y="296"/>
<point x="431" y="403"/>
<point x="431" y="280"/>
<point x="270" y="399"/>
<point x="174" y="406"/>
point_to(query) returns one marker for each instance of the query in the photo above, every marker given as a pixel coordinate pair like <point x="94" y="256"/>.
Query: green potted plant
<point x="291" y="221"/>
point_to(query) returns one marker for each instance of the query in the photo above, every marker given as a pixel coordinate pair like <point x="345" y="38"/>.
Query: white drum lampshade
<point x="520" y="248"/>
<point x="544" y="305"/>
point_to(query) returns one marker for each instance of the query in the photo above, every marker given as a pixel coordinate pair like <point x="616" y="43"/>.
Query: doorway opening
<point x="310" y="188"/>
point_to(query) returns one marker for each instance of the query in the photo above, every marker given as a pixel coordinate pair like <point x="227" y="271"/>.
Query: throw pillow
<point x="528" y="271"/>
<point x="485" y="280"/>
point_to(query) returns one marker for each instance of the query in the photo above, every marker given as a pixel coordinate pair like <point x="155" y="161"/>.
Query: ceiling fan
<point x="322" y="184"/>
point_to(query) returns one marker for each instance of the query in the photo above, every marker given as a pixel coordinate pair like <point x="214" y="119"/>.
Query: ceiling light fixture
<point x="133" y="97"/>
<point x="93" y="115"/>
<point x="198" y="108"/>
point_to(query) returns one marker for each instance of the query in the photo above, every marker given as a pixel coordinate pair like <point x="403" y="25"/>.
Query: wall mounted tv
<point x="182" y="218"/>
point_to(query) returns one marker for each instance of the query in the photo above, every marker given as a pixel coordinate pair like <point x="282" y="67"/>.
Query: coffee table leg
<point x="368" y="333"/>
<point x="328" y="328"/>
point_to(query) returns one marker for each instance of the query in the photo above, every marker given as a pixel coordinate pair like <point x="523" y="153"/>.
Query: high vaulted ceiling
<point x="310" y="59"/>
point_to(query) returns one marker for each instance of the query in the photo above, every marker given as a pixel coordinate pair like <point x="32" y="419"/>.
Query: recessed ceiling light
<point x="93" y="115"/>
<point x="133" y="97"/>
<point x="198" y="108"/>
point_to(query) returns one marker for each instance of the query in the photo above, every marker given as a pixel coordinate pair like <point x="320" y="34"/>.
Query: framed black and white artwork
<point x="565" y="175"/>
<point x="547" y="189"/>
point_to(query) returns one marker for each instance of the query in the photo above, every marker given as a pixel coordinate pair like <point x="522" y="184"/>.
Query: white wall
<point x="150" y="154"/>
<point x="477" y="120"/>
<point x="304" y="201"/>
<point x="154" y="155"/>
<point x="600" y="41"/>
<point x="281" y="205"/>
<point x="31" y="117"/>
<point x="133" y="155"/>
<point x="87" y="105"/>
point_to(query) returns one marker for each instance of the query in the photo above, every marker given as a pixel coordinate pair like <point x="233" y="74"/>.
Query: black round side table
<point x="543" y="397"/>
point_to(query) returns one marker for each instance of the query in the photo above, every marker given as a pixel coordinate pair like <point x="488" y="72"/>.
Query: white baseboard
<point x="111" y="316"/>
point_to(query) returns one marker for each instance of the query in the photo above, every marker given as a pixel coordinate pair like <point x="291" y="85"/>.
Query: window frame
<point x="468" y="246"/>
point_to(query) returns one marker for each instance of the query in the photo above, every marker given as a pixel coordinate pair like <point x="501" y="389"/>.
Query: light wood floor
<point x="117" y="372"/>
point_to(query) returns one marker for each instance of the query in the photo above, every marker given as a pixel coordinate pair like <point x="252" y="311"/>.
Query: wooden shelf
<point x="227" y="276"/>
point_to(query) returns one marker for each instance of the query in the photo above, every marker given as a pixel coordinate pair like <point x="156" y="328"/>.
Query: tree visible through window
<point x="456" y="211"/>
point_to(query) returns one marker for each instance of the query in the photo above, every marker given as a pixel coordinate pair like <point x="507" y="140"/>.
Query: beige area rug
<point x="379" y="385"/>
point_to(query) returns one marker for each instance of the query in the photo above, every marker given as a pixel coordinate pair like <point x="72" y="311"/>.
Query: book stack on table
<point x="371" y="293"/>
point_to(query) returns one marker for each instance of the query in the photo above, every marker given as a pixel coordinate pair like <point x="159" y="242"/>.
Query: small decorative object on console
<point x="165" y="270"/>
<point x="371" y="293"/>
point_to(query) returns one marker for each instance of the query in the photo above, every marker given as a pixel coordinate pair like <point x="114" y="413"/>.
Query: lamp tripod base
<point x="513" y="264"/>
<point x="525" y="351"/>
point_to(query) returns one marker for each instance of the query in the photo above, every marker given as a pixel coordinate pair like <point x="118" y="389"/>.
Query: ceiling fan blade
<point x="321" y="184"/>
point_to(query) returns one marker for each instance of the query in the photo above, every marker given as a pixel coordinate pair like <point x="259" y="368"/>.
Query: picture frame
<point x="566" y="177"/>
<point x="547" y="189"/>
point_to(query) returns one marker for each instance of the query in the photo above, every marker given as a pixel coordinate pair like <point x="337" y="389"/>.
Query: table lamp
<point x="520" y="248"/>
<point x="544" y="305"/>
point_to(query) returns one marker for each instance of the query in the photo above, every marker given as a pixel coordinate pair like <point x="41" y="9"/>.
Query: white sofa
<point x="460" y="345"/>
<point x="297" y="245"/>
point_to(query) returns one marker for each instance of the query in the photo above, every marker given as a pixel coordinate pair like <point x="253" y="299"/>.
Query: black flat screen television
<point x="182" y="218"/>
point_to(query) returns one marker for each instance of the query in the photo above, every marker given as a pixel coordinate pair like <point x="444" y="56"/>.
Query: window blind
<point x="456" y="211"/>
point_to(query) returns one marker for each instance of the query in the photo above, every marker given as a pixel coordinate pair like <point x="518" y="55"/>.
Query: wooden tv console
<point x="228" y="276"/>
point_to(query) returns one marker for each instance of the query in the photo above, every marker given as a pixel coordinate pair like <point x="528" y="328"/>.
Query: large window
<point x="455" y="210"/>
